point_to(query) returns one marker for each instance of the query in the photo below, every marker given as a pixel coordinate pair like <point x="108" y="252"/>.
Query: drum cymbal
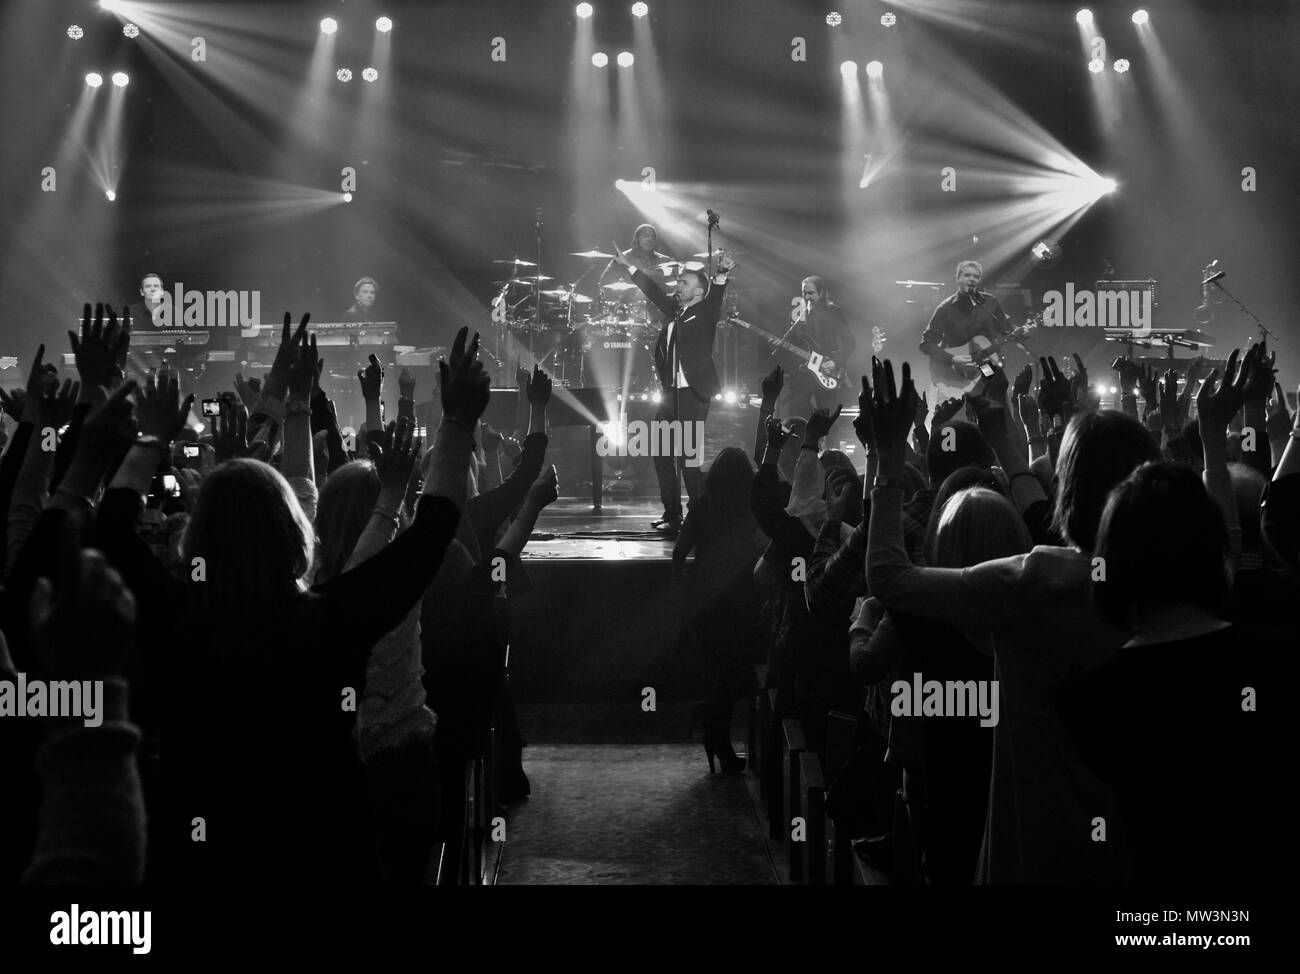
<point x="719" y="253"/>
<point x="677" y="266"/>
<point x="516" y="261"/>
<point x="919" y="283"/>
<point x="619" y="286"/>
<point x="563" y="295"/>
<point x="593" y="255"/>
<point x="530" y="281"/>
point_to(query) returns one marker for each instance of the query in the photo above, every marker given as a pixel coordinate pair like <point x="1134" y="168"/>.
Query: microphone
<point x="713" y="218"/>
<point x="539" y="218"/>
<point x="1214" y="277"/>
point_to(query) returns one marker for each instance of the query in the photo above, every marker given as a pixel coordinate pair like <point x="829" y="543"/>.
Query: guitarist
<point x="957" y="320"/>
<point x="825" y="330"/>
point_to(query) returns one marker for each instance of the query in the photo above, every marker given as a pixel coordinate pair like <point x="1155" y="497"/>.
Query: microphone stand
<point x="1263" y="330"/>
<point x="537" y="277"/>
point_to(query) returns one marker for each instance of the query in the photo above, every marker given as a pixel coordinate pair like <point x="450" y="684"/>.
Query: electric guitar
<point x="950" y="381"/>
<point x="824" y="370"/>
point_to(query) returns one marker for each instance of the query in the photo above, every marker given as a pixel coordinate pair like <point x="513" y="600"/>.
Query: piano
<point x="169" y="337"/>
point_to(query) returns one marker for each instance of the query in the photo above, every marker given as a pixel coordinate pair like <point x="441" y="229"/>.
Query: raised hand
<point x="100" y="347"/>
<point x="893" y="410"/>
<point x="621" y="260"/>
<point x="372" y="379"/>
<point x="1130" y="375"/>
<point x="946" y="410"/>
<point x="545" y="489"/>
<point x="56" y="404"/>
<point x="463" y="384"/>
<point x="1216" y="404"/>
<point x="248" y="390"/>
<point x="539" y="388"/>
<point x="13" y="403"/>
<point x="1055" y="398"/>
<point x="397" y="453"/>
<point x="1149" y="385"/>
<point x="821" y="421"/>
<point x="1023" y="382"/>
<point x="990" y="416"/>
<point x="922" y="410"/>
<point x="772" y="384"/>
<point x="161" y="411"/>
<point x="996" y="385"/>
<point x="285" y="356"/>
<point x="862" y="424"/>
<point x="406" y="385"/>
<point x="1081" y="393"/>
<point x="304" y="370"/>
<point x="110" y="427"/>
<point x="776" y="434"/>
<point x="40" y="379"/>
<point x="1170" y="406"/>
<point x="1279" y="416"/>
<point x="1027" y="407"/>
<point x="726" y="264"/>
<point x="230" y="431"/>
<point x="1258" y="381"/>
<point x="838" y="488"/>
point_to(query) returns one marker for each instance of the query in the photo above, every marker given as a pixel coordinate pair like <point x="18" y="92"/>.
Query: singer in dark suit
<point x="959" y="318"/>
<point x="684" y="363"/>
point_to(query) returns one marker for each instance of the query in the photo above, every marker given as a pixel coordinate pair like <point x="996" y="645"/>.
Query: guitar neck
<point x="781" y="342"/>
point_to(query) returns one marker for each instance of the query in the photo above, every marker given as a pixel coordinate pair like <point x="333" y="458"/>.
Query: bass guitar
<point x="824" y="370"/>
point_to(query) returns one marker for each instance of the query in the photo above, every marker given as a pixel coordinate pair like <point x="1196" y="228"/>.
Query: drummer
<point x="643" y="256"/>
<point x="642" y="253"/>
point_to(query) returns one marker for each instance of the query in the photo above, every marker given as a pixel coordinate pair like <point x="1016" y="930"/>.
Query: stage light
<point x="1108" y="185"/>
<point x="625" y="59"/>
<point x="1121" y="65"/>
<point x="110" y="5"/>
<point x="730" y="397"/>
<point x="640" y="9"/>
<point x="600" y="59"/>
<point x="1113" y="390"/>
<point x="94" y="79"/>
<point x="369" y="74"/>
<point x="120" y="80"/>
<point x="645" y="397"/>
<point x="656" y="396"/>
<point x="1096" y="65"/>
<point x="110" y="195"/>
<point x="1140" y="17"/>
<point x="849" y="68"/>
<point x="620" y="184"/>
<point x="347" y="197"/>
<point x="583" y="10"/>
<point x="329" y="26"/>
<point x="834" y="19"/>
<point x="383" y="25"/>
<point x="131" y="30"/>
<point x="875" y="69"/>
<point x="76" y="33"/>
<point x="1084" y="16"/>
<point x="343" y="74"/>
<point x="718" y="396"/>
<point x="888" y="20"/>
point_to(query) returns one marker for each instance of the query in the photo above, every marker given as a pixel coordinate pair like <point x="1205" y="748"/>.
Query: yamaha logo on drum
<point x="618" y="344"/>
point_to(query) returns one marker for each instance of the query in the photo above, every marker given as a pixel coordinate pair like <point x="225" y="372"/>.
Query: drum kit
<point x="601" y="338"/>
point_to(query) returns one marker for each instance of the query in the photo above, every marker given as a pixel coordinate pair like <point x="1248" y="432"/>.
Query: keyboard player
<point x="364" y="293"/>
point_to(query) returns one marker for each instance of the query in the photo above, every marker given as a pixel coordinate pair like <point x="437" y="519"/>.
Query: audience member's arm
<point x="1215" y="408"/>
<point x="542" y="493"/>
<point x="787" y="532"/>
<point x="299" y="463"/>
<point x="772" y="384"/>
<point x="48" y="411"/>
<point x="92" y="814"/>
<point x="1258" y="385"/>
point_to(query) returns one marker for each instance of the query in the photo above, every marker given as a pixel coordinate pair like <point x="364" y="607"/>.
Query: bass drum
<point x="622" y="360"/>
